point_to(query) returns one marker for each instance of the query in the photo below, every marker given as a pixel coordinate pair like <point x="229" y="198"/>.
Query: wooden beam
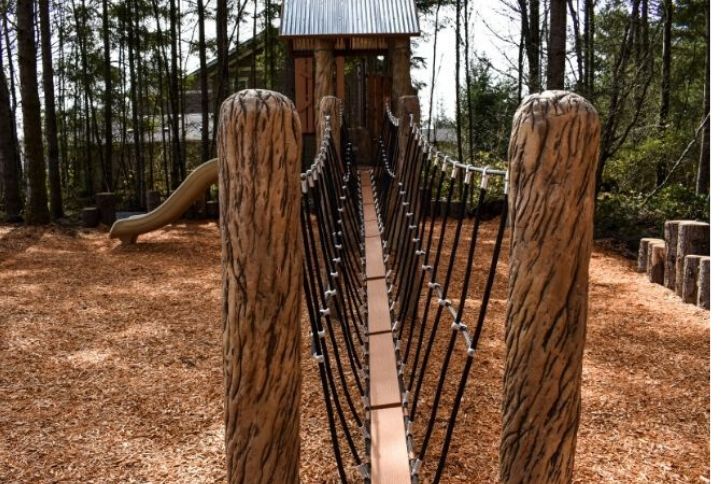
<point x="261" y="258"/>
<point x="388" y="455"/>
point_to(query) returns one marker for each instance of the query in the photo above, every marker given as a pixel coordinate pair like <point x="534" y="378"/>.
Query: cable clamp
<point x="318" y="357"/>
<point x="401" y="369"/>
<point x="468" y="175"/>
<point x="305" y="185"/>
<point x="416" y="467"/>
<point x="454" y="173"/>
<point x="413" y="227"/>
<point x="334" y="274"/>
<point x="419" y="253"/>
<point x="425" y="268"/>
<point x="338" y="246"/>
<point x="444" y="302"/>
<point x="433" y="285"/>
<point x="484" y="179"/>
<point x="340" y="210"/>
<point x="415" y="240"/>
<point x="324" y="311"/>
<point x="395" y="326"/>
<point x="459" y="326"/>
<point x="337" y="260"/>
<point x="471" y="352"/>
<point x="364" y="471"/>
<point x="321" y="333"/>
<point x="342" y="197"/>
<point x="330" y="293"/>
<point x="507" y="182"/>
<point x="409" y="214"/>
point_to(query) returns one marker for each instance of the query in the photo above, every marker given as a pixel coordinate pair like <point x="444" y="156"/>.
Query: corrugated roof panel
<point x="349" y="17"/>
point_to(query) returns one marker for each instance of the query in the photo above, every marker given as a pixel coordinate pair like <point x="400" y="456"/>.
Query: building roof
<point x="319" y="18"/>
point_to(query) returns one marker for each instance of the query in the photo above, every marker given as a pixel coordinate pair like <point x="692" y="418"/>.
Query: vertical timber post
<point x="324" y="68"/>
<point x="332" y="107"/>
<point x="400" y="59"/>
<point x="553" y="154"/>
<point x="407" y="106"/>
<point x="260" y="200"/>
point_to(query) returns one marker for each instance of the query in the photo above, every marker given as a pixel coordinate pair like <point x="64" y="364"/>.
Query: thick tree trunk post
<point x="332" y="107"/>
<point x="259" y="150"/>
<point x="702" y="298"/>
<point x="642" y="263"/>
<point x="692" y="239"/>
<point x="657" y="256"/>
<point x="400" y="56"/>
<point x="689" y="286"/>
<point x="671" y="236"/>
<point x="409" y="106"/>
<point x="553" y="154"/>
<point x="323" y="74"/>
<point x="106" y="203"/>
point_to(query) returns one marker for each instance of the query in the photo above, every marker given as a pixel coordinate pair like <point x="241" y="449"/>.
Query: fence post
<point x="553" y="154"/>
<point x="332" y="107"/>
<point x="260" y="200"/>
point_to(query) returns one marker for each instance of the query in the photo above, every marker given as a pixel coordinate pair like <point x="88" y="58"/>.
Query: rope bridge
<point x="397" y="288"/>
<point x="344" y="225"/>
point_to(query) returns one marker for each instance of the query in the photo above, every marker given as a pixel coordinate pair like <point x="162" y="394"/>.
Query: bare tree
<point x="12" y="200"/>
<point x="557" y="45"/>
<point x="702" y="175"/>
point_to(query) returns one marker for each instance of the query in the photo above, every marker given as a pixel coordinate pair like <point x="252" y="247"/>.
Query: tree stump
<point x="702" y="299"/>
<point x="553" y="154"/>
<point x="671" y="236"/>
<point x="259" y="149"/>
<point x="655" y="268"/>
<point x="689" y="287"/>
<point x="642" y="263"/>
<point x="212" y="209"/>
<point x="692" y="239"/>
<point x="106" y="203"/>
<point x="90" y="217"/>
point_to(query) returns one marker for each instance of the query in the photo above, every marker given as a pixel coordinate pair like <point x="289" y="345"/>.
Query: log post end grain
<point x="692" y="239"/>
<point x="689" y="288"/>
<point x="655" y="270"/>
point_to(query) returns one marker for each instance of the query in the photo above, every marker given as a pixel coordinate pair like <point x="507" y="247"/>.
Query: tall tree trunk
<point x="37" y="203"/>
<point x="13" y="95"/>
<point x="204" y="75"/>
<point x="702" y="175"/>
<point x="135" y="115"/>
<point x="108" y="95"/>
<point x="666" y="65"/>
<point x="575" y="18"/>
<point x="557" y="45"/>
<point x="458" y="101"/>
<point x="12" y="200"/>
<point x="434" y="66"/>
<point x="589" y="67"/>
<point x="468" y="83"/>
<point x="530" y="28"/>
<point x="177" y="164"/>
<point x="51" y="126"/>
<point x="222" y="46"/>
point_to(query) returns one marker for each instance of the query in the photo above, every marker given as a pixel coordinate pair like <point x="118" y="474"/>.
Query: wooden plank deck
<point x="389" y="457"/>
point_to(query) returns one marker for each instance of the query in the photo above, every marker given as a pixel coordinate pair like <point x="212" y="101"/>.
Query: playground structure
<point x="363" y="259"/>
<point x="359" y="244"/>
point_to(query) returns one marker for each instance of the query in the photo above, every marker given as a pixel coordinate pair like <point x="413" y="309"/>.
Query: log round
<point x="642" y="262"/>
<point x="703" y="298"/>
<point x="259" y="151"/>
<point x="553" y="155"/>
<point x="657" y="256"/>
<point x="671" y="236"/>
<point x="689" y="287"/>
<point x="106" y="204"/>
<point x="692" y="239"/>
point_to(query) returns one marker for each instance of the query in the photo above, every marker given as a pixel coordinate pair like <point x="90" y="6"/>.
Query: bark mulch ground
<point x="110" y="368"/>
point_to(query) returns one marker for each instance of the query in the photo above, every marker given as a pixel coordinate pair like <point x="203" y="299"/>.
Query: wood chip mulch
<point x="110" y="368"/>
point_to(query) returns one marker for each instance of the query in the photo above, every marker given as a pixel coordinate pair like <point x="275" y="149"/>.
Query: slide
<point x="195" y="184"/>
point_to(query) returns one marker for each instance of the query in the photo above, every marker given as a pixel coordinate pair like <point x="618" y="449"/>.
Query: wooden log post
<point x="692" y="239"/>
<point x="324" y="68"/>
<point x="409" y="107"/>
<point x="642" y="263"/>
<point x="400" y="54"/>
<point x="671" y="235"/>
<point x="655" y="268"/>
<point x="553" y="154"/>
<point x="689" y="287"/>
<point x="332" y="107"/>
<point x="106" y="204"/>
<point x="90" y="217"/>
<point x="703" y="297"/>
<point x="259" y="151"/>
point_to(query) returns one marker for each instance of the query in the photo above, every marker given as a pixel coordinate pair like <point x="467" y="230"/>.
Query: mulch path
<point x="110" y="368"/>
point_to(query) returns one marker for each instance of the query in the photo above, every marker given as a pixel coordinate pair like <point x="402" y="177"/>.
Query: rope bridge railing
<point x="287" y="241"/>
<point x="415" y="191"/>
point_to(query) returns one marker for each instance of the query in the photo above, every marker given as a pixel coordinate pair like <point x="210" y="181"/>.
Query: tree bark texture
<point x="557" y="45"/>
<point x="692" y="239"/>
<point x="51" y="125"/>
<point x="702" y="174"/>
<point x="37" y="201"/>
<point x="642" y="262"/>
<point x="400" y="57"/>
<point x="12" y="200"/>
<point x="703" y="296"/>
<point x="553" y="154"/>
<point x="332" y="107"/>
<point x="259" y="149"/>
<point x="657" y="257"/>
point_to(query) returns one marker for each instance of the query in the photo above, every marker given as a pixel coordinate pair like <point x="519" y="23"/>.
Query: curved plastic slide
<point x="195" y="184"/>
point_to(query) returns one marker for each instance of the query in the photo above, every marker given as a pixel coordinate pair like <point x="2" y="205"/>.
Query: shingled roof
<point x="342" y="18"/>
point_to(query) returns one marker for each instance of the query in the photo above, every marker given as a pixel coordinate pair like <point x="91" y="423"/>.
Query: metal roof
<point x="316" y="18"/>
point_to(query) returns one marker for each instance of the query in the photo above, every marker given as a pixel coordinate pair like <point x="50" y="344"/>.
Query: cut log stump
<point x="655" y="269"/>
<point x="90" y="217"/>
<point x="692" y="239"/>
<point x="671" y="236"/>
<point x="106" y="203"/>
<point x="642" y="264"/>
<point x="703" y="285"/>
<point x="689" y="288"/>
